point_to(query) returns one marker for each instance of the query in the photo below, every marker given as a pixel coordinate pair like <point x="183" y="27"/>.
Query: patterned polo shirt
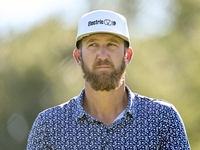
<point x="146" y="124"/>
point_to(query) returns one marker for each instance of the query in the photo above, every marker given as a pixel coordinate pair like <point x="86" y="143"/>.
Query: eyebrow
<point x="91" y="40"/>
<point x="113" y="40"/>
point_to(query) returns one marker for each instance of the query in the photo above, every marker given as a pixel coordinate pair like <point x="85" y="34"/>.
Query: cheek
<point x="88" y="61"/>
<point x="119" y="59"/>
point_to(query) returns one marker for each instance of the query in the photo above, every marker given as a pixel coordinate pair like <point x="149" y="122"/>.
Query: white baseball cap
<point x="102" y="21"/>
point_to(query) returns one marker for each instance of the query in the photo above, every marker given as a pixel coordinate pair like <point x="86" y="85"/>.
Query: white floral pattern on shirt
<point x="147" y="124"/>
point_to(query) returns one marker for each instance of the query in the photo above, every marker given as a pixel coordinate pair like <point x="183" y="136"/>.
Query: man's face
<point x="103" y="61"/>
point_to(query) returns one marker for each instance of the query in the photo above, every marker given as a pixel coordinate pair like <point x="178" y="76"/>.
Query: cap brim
<point x="96" y="32"/>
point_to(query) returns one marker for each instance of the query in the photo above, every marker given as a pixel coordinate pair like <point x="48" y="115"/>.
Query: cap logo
<point x="107" y="22"/>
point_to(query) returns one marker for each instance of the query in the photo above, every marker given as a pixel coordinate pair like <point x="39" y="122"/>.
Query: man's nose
<point x="103" y="53"/>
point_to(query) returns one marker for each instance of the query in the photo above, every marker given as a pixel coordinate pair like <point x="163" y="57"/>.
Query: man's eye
<point x="111" y="44"/>
<point x="91" y="45"/>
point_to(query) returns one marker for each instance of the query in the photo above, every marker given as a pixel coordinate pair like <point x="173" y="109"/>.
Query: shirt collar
<point x="80" y="112"/>
<point x="131" y="107"/>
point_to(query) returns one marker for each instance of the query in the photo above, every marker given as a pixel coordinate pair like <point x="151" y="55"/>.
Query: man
<point x="107" y="115"/>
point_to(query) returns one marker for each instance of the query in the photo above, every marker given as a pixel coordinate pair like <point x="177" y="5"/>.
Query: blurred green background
<point x="37" y="69"/>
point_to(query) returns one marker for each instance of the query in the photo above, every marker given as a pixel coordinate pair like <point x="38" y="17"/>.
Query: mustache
<point x="103" y="62"/>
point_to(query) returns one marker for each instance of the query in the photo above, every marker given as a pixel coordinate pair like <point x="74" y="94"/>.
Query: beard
<point x="104" y="80"/>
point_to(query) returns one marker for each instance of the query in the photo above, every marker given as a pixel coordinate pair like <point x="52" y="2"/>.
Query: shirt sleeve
<point x="176" y="134"/>
<point x="37" y="139"/>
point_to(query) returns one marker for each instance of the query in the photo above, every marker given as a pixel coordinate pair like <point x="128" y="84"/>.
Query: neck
<point x="105" y="106"/>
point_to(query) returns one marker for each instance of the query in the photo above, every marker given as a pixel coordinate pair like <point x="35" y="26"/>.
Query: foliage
<point x="37" y="71"/>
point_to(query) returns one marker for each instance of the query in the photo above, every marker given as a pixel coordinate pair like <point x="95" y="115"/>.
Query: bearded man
<point x="107" y="114"/>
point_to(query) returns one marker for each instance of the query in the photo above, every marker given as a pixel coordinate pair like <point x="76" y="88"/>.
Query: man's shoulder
<point x="143" y="101"/>
<point x="62" y="109"/>
<point x="148" y="108"/>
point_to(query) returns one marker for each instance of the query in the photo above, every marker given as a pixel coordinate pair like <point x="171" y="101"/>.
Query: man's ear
<point x="129" y="54"/>
<point x="77" y="56"/>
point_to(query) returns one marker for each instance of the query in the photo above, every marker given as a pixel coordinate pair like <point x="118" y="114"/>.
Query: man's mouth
<point x="103" y="67"/>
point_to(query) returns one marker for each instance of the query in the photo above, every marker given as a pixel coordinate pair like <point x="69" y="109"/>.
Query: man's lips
<point x="103" y="67"/>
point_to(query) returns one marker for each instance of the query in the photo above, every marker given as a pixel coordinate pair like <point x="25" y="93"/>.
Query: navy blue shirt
<point x="147" y="124"/>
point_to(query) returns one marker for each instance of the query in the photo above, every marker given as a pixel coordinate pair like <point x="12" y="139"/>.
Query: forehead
<point x="102" y="37"/>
